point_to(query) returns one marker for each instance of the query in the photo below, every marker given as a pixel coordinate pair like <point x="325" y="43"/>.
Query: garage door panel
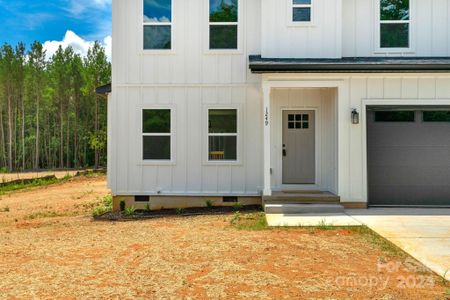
<point x="408" y="162"/>
<point x="410" y="155"/>
<point x="405" y="175"/>
<point x="409" y="195"/>
<point x="409" y="136"/>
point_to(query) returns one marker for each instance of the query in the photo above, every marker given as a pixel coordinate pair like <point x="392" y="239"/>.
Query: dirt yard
<point x="51" y="248"/>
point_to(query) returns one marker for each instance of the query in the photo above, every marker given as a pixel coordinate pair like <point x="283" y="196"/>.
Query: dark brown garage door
<point x="408" y="156"/>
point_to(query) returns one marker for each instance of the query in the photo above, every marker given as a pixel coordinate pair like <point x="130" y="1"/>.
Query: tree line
<point x="50" y="115"/>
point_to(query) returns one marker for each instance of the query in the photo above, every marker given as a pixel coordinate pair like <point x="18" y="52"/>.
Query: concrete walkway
<point x="422" y="233"/>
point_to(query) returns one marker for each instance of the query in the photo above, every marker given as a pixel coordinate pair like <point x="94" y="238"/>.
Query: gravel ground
<point x="63" y="253"/>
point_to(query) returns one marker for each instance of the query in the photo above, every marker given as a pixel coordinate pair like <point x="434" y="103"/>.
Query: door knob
<point x="284" y="152"/>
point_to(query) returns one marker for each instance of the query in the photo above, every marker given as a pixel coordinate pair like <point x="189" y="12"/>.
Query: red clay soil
<point x="67" y="255"/>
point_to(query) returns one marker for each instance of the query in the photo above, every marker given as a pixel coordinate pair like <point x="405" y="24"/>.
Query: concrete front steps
<point x="302" y="202"/>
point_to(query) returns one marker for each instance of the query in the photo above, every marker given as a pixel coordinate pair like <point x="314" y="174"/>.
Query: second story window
<point x="223" y="24"/>
<point x="157" y="24"/>
<point x="301" y="10"/>
<point x="395" y="23"/>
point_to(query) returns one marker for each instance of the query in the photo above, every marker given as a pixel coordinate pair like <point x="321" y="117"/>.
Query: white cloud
<point x="77" y="7"/>
<point x="79" y="45"/>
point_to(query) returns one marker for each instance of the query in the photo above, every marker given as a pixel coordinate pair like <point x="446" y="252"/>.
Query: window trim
<point x="290" y="14"/>
<point x="171" y="24"/>
<point x="239" y="23"/>
<point x="206" y="160"/>
<point x="157" y="162"/>
<point x="378" y="21"/>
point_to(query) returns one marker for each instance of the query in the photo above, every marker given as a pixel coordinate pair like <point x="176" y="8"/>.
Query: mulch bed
<point x="199" y="211"/>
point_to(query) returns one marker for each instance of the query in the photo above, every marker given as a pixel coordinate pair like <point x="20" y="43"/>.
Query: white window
<point x="395" y="24"/>
<point x="157" y="24"/>
<point x="222" y="135"/>
<point x="157" y="134"/>
<point x="223" y="24"/>
<point x="301" y="11"/>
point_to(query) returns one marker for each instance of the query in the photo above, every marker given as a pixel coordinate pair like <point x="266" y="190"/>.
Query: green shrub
<point x="122" y="205"/>
<point x="237" y="206"/>
<point x="147" y="207"/>
<point x="209" y="204"/>
<point x="130" y="211"/>
<point x="180" y="211"/>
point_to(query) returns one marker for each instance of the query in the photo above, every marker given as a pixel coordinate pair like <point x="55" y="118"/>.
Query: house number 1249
<point x="266" y="116"/>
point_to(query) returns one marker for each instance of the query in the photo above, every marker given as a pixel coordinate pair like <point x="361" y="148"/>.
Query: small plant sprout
<point x="147" y="207"/>
<point x="209" y="204"/>
<point x="130" y="211"/>
<point x="122" y="205"/>
<point x="236" y="217"/>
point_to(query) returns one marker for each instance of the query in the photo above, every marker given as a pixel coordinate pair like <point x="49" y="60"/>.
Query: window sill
<point x="224" y="52"/>
<point x="301" y="24"/>
<point x="395" y="51"/>
<point x="222" y="163"/>
<point x="157" y="52"/>
<point x="153" y="163"/>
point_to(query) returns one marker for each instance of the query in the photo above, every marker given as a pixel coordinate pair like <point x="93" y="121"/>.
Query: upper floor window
<point x="301" y="10"/>
<point x="157" y="24"/>
<point x="223" y="24"/>
<point x="395" y="23"/>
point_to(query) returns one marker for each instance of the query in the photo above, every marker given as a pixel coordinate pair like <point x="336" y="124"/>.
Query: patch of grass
<point x="180" y="211"/>
<point x="372" y="237"/>
<point x="209" y="204"/>
<point x="251" y="221"/>
<point x="44" y="214"/>
<point x="130" y="211"/>
<point x="38" y="182"/>
<point x="105" y="206"/>
<point x="323" y="225"/>
<point x="5" y="209"/>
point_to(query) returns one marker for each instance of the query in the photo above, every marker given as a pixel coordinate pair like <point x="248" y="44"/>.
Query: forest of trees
<point x="50" y="115"/>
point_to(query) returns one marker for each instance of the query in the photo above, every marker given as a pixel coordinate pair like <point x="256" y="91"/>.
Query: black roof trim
<point x="104" y="89"/>
<point x="350" y="65"/>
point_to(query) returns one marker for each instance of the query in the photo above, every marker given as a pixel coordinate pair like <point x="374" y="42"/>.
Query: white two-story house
<point x="244" y="100"/>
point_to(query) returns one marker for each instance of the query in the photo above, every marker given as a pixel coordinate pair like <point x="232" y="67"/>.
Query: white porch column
<point x="267" y="125"/>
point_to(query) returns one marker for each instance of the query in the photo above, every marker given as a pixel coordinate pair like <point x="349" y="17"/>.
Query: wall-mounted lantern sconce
<point x="355" y="117"/>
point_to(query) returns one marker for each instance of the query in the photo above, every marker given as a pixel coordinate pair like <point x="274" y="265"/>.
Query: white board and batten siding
<point x="430" y="29"/>
<point x="188" y="79"/>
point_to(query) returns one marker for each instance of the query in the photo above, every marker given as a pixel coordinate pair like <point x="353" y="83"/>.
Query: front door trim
<point x="317" y="124"/>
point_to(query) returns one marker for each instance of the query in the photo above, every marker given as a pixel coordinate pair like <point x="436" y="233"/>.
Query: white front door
<point x="299" y="147"/>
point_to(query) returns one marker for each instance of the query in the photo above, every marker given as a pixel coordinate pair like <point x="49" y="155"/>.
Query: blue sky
<point x="61" y="21"/>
